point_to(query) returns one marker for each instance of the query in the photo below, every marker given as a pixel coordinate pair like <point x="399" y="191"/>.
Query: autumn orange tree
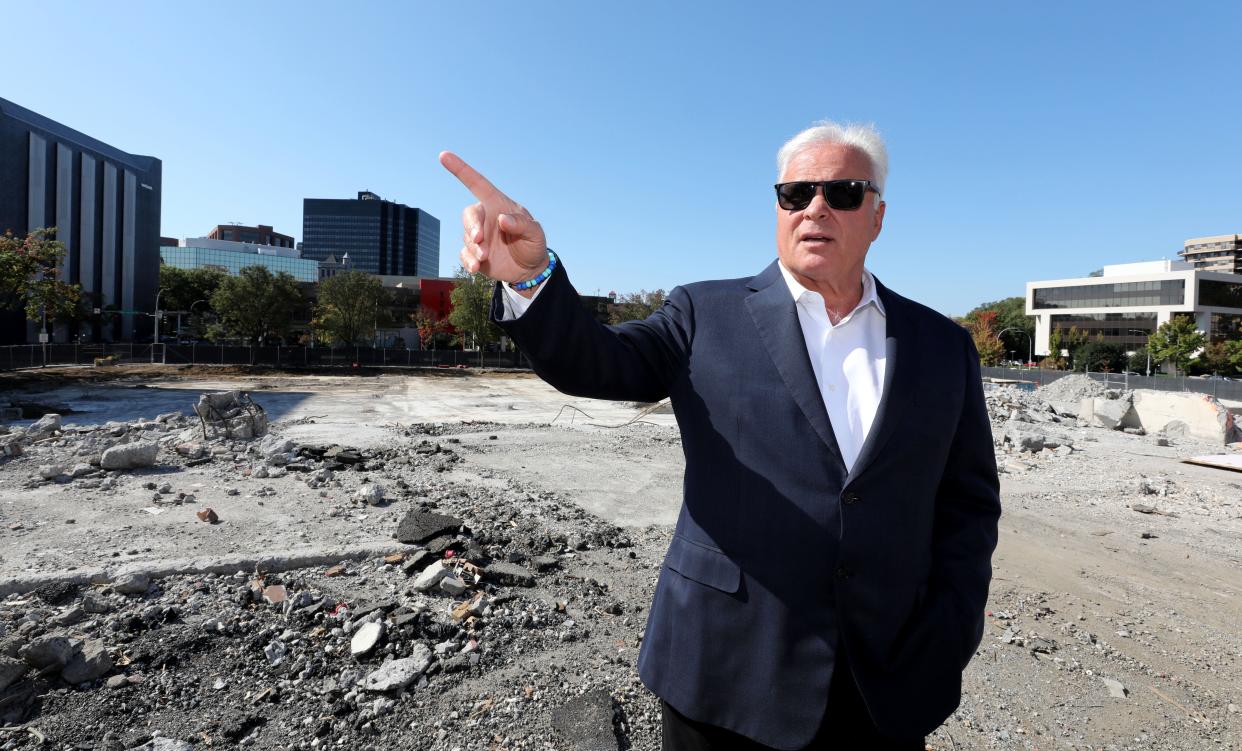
<point x="982" y="327"/>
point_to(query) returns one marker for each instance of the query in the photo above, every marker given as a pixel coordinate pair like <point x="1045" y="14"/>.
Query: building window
<point x="1217" y="294"/>
<point x="1118" y="295"/>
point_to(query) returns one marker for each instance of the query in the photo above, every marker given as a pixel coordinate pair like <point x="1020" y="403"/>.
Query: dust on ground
<point x="1112" y="619"/>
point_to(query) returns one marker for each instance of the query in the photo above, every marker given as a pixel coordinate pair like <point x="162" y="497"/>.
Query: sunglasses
<point x="842" y="195"/>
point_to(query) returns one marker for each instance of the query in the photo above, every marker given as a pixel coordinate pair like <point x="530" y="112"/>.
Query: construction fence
<point x="43" y="355"/>
<point x="1219" y="388"/>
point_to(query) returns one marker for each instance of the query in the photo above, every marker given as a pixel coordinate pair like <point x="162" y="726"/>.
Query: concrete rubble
<point x="492" y="613"/>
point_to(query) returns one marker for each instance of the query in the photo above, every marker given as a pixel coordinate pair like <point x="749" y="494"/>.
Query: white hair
<point x="863" y="137"/>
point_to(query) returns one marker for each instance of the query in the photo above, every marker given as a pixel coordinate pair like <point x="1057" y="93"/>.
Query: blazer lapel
<point x="772" y="308"/>
<point x="899" y="377"/>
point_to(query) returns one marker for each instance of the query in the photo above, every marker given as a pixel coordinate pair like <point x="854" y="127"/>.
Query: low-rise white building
<point x="1129" y="301"/>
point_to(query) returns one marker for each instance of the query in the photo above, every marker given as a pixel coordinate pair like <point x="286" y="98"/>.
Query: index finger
<point x="480" y="186"/>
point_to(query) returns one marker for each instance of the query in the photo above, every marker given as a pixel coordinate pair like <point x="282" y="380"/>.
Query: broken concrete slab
<point x="420" y="526"/>
<point x="130" y="455"/>
<point x="397" y="674"/>
<point x="510" y="574"/>
<point x="91" y="661"/>
<point x="1174" y="413"/>
<point x="48" y="651"/>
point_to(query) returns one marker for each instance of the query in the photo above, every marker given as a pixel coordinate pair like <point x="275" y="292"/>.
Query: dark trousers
<point x="846" y="726"/>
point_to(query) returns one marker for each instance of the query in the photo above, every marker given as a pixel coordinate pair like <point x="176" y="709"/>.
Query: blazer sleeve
<point x="576" y="354"/>
<point x="966" y="517"/>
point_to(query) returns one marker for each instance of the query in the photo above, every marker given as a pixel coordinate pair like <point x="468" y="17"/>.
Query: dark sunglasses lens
<point x="845" y="195"/>
<point x="795" y="196"/>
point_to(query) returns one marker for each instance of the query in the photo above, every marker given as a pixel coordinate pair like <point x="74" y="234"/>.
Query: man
<point x="826" y="581"/>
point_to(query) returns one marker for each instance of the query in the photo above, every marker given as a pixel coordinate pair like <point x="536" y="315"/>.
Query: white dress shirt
<point x="848" y="358"/>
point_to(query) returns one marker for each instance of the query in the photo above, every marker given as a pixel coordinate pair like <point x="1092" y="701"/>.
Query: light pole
<point x="157" y="324"/>
<point x="1145" y="347"/>
<point x="1030" y="344"/>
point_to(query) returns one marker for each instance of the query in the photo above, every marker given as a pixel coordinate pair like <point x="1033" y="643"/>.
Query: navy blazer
<point x="779" y="553"/>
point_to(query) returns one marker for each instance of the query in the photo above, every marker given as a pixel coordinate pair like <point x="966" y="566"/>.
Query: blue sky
<point x="1027" y="140"/>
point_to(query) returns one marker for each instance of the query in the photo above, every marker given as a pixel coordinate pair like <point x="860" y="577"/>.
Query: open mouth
<point x="816" y="239"/>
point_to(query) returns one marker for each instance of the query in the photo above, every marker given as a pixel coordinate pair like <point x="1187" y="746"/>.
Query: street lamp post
<point x="157" y="325"/>
<point x="1145" y="347"/>
<point x="1030" y="344"/>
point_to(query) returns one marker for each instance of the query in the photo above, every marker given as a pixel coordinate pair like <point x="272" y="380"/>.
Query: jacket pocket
<point x="703" y="564"/>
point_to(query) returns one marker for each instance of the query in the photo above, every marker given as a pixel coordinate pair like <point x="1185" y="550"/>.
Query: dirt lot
<point x="1113" y="615"/>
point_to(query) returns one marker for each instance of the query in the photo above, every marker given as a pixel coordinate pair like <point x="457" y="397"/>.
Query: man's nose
<point x="818" y="206"/>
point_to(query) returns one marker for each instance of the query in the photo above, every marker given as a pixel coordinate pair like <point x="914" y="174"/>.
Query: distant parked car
<point x="1215" y="377"/>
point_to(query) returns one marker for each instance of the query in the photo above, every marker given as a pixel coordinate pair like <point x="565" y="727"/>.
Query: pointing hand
<point x="501" y="238"/>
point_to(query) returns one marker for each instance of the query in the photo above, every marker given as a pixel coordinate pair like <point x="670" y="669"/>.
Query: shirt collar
<point x="800" y="293"/>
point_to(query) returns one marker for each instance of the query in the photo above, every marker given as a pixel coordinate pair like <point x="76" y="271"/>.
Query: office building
<point x="1217" y="253"/>
<point x="232" y="257"/>
<point x="1129" y="301"/>
<point x="380" y="237"/>
<point x="105" y="206"/>
<point x="260" y="235"/>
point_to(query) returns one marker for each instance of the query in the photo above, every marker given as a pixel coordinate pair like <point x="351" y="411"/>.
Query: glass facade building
<point x="1117" y="295"/>
<point x="1217" y="294"/>
<point x="301" y="269"/>
<point x="381" y="237"/>
<point x="1128" y="329"/>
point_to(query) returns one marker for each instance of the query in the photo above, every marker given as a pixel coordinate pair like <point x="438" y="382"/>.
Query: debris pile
<point x="231" y="414"/>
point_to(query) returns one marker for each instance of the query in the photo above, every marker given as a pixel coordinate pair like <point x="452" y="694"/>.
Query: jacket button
<point x="843" y="572"/>
<point x="851" y="497"/>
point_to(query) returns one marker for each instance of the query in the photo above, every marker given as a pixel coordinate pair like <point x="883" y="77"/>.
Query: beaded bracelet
<point x="543" y="275"/>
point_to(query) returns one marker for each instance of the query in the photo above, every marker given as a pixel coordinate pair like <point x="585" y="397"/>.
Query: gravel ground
<point x="1112" y="621"/>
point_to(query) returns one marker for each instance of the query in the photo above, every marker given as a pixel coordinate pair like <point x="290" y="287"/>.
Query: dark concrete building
<point x="380" y="237"/>
<point x="260" y="235"/>
<point x="105" y="206"/>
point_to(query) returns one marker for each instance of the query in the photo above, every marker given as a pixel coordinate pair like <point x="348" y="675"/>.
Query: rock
<point x="545" y="562"/>
<point x="93" y="602"/>
<point x="510" y="573"/>
<point x="130" y="455"/>
<point x="51" y="471"/>
<point x="1142" y="508"/>
<point x="273" y="446"/>
<point x="400" y="673"/>
<point x="90" y="662"/>
<point x="274" y="594"/>
<point x="11" y="671"/>
<point x="208" y="515"/>
<point x="365" y="638"/>
<point x="420" y="526"/>
<point x="275" y="651"/>
<point x="160" y="743"/>
<point x="1025" y="440"/>
<point x="586" y="721"/>
<point x="44" y="427"/>
<point x="452" y="586"/>
<point x="430" y="576"/>
<point x="191" y="450"/>
<point x="136" y="583"/>
<point x="371" y="494"/>
<point x="1115" y="689"/>
<point x="48" y="651"/>
<point x="81" y="470"/>
<point x="1113" y="414"/>
<point x="1162" y="441"/>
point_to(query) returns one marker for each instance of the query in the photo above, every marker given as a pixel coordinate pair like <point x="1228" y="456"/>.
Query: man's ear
<point x="878" y="219"/>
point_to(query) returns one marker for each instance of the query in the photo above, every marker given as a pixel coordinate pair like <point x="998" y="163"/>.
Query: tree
<point x="429" y="327"/>
<point x="189" y="290"/>
<point x="1011" y="315"/>
<point x="30" y="276"/>
<point x="256" y="304"/>
<point x="1176" y="341"/>
<point x="635" y="306"/>
<point x="1054" y="359"/>
<point x="351" y="306"/>
<point x="1101" y="357"/>
<point x="472" y="299"/>
<point x="982" y="329"/>
<point x="181" y="288"/>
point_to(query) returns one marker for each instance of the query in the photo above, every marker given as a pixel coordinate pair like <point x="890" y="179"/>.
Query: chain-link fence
<point x="42" y="355"/>
<point x="1217" y="387"/>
